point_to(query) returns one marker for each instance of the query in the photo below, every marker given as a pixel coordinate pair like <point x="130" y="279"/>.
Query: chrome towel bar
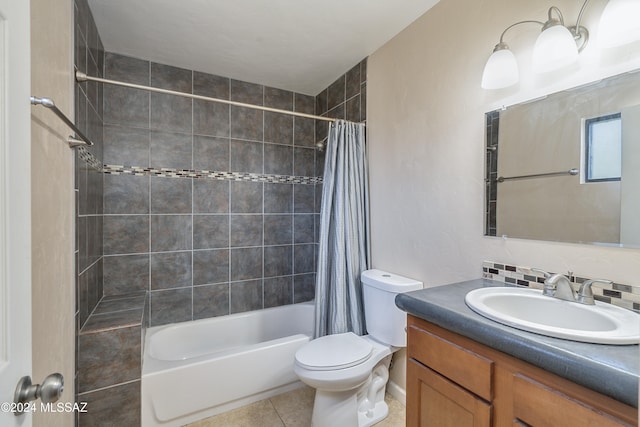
<point x="72" y="141"/>
<point x="573" y="171"/>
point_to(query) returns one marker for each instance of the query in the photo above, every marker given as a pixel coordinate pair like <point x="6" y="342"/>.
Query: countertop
<point x="612" y="370"/>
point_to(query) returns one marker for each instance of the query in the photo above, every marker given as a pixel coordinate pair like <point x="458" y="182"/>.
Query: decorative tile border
<point x="88" y="157"/>
<point x="94" y="163"/>
<point x="625" y="296"/>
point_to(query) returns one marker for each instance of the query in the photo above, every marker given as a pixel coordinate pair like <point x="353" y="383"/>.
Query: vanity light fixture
<point x="501" y="69"/>
<point x="620" y="23"/>
<point x="559" y="45"/>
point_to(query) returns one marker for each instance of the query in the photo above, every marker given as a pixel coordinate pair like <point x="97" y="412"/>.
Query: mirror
<point x="542" y="159"/>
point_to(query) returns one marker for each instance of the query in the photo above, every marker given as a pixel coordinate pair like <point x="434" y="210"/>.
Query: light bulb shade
<point x="555" y="48"/>
<point x="619" y="23"/>
<point x="501" y="70"/>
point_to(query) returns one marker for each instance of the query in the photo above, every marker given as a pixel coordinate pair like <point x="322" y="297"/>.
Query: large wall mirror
<point x="567" y="167"/>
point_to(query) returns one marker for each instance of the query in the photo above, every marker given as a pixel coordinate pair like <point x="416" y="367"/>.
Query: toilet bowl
<point x="350" y="372"/>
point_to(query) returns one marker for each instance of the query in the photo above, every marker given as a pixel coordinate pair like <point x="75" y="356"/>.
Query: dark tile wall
<point x="346" y="98"/>
<point x="206" y="247"/>
<point x="491" y="172"/>
<point x="113" y="406"/>
<point x="110" y="362"/>
<point x="89" y="57"/>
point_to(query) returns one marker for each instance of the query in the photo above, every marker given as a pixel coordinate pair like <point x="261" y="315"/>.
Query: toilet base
<point x="332" y="409"/>
<point x="363" y="406"/>
<point x="379" y="413"/>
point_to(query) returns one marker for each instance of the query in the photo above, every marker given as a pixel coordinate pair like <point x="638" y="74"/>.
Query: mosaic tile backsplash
<point x="625" y="296"/>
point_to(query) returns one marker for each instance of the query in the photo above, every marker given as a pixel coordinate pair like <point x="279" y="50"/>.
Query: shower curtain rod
<point x="82" y="77"/>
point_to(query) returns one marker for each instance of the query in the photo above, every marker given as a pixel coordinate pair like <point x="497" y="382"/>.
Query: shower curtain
<point x="344" y="248"/>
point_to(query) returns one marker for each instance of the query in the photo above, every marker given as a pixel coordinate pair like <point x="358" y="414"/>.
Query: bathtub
<point x="194" y="370"/>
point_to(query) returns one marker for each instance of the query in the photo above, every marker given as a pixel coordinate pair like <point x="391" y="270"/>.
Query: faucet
<point x="549" y="289"/>
<point x="558" y="286"/>
<point x="585" y="294"/>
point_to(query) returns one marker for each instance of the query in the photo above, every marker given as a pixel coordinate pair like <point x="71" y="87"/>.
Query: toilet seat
<point x="333" y="352"/>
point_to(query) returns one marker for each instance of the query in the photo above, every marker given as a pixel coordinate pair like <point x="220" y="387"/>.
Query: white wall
<point x="425" y="116"/>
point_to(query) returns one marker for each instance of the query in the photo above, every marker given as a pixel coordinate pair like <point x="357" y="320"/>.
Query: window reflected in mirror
<point x="603" y="148"/>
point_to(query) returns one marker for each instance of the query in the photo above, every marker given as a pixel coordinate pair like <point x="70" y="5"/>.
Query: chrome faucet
<point x="559" y="286"/>
<point x="585" y="294"/>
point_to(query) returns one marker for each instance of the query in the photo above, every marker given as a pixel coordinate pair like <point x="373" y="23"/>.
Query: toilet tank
<point x="386" y="322"/>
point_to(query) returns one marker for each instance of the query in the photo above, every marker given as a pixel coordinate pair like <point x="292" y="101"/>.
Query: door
<point x="15" y="206"/>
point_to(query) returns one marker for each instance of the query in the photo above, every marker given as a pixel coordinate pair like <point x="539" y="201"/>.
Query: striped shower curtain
<point x="344" y="247"/>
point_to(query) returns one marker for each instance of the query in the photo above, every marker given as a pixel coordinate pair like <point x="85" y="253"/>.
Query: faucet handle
<point x="585" y="293"/>
<point x="549" y="289"/>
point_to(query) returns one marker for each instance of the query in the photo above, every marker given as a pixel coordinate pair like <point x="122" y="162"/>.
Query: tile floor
<point x="292" y="409"/>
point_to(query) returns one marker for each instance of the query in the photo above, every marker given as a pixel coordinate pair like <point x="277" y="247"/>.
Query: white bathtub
<point x="194" y="370"/>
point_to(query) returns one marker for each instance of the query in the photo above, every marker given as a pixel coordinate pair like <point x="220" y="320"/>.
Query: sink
<point x="529" y="310"/>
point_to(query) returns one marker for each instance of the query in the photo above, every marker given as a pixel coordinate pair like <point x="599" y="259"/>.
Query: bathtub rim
<point x="151" y="365"/>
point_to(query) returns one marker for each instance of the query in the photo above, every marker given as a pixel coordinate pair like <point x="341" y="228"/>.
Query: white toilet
<point x="350" y="372"/>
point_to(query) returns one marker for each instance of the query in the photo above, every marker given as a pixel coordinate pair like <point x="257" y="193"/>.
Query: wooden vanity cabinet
<point x="453" y="381"/>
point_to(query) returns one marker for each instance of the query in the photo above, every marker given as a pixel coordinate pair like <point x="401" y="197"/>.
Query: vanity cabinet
<point x="453" y="381"/>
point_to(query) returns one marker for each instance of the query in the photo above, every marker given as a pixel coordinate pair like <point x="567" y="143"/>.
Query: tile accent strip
<point x="95" y="164"/>
<point x="625" y="296"/>
<point x="88" y="157"/>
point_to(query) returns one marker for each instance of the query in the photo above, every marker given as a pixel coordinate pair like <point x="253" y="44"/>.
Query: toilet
<point x="350" y="372"/>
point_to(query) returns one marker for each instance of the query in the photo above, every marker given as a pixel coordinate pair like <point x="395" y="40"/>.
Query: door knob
<point x="49" y="391"/>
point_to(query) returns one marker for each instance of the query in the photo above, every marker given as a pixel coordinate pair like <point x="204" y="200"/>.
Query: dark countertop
<point x="612" y="370"/>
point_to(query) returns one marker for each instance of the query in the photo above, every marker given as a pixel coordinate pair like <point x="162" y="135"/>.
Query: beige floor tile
<point x="396" y="417"/>
<point x="295" y="407"/>
<point x="259" y="414"/>
<point x="292" y="409"/>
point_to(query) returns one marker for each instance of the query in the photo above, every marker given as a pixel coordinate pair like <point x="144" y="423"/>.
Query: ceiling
<point x="297" y="45"/>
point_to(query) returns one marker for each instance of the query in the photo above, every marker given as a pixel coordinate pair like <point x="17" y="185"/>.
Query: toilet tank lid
<point x="389" y="282"/>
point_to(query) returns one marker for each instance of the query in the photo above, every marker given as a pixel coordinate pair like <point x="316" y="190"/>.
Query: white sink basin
<point x="529" y="310"/>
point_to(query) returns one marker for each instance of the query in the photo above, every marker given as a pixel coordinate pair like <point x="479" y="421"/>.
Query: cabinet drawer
<point x="462" y="366"/>
<point x="538" y="404"/>
<point x="436" y="401"/>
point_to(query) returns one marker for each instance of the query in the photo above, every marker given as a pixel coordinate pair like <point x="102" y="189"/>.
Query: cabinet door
<point x="434" y="401"/>
<point x="539" y="405"/>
